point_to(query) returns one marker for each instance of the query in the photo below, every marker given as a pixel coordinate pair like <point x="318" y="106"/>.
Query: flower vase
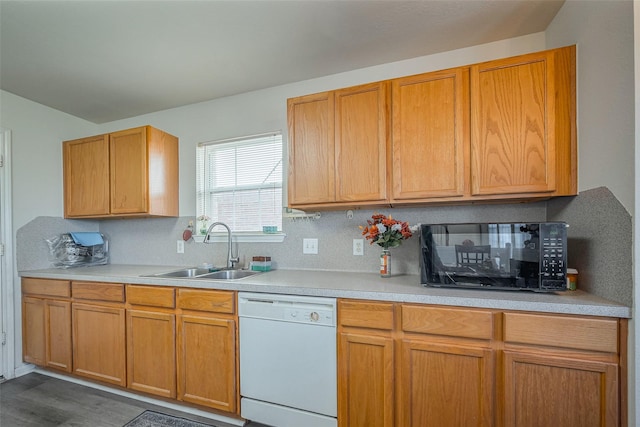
<point x="385" y="263"/>
<point x="204" y="226"/>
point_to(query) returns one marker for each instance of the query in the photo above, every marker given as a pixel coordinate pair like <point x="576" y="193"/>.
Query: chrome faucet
<point x="230" y="260"/>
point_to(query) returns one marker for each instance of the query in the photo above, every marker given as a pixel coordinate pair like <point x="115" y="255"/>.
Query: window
<point x="239" y="182"/>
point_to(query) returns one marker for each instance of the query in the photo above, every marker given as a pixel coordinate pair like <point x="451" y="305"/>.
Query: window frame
<point x="218" y="235"/>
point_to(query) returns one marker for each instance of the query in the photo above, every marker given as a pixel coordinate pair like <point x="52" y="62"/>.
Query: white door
<point x="6" y="259"/>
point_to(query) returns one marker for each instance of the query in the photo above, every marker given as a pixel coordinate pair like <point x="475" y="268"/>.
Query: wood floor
<point x="36" y="400"/>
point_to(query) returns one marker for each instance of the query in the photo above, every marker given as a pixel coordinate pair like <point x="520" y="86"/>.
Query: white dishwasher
<point x="288" y="362"/>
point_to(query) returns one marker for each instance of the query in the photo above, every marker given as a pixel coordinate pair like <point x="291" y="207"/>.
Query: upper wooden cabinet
<point x="523" y="137"/>
<point x="128" y="173"/>
<point x="338" y="147"/>
<point x="430" y="135"/>
<point x="361" y="141"/>
<point x="498" y="130"/>
<point x="311" y="149"/>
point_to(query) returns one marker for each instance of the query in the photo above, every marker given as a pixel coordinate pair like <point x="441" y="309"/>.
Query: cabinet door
<point x="33" y="331"/>
<point x="58" y="334"/>
<point x="446" y="385"/>
<point x="311" y="149"/>
<point x="151" y="352"/>
<point x="512" y="125"/>
<point x="431" y="135"/>
<point x="541" y="391"/>
<point x="99" y="343"/>
<point x="361" y="142"/>
<point x="207" y="361"/>
<point x="129" y="187"/>
<point x="86" y="176"/>
<point x="365" y="381"/>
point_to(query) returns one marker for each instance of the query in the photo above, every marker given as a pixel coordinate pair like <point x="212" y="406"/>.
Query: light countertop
<point x="370" y="286"/>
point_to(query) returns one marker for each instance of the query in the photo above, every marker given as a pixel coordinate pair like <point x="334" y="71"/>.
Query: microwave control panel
<point x="553" y="256"/>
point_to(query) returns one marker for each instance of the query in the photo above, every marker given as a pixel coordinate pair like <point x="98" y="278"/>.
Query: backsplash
<point x="599" y="242"/>
<point x="153" y="241"/>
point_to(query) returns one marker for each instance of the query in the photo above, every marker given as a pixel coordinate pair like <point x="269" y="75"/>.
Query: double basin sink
<point x="204" y="273"/>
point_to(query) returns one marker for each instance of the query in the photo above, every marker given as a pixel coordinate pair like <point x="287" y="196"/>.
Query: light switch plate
<point x="310" y="246"/>
<point x="180" y="246"/>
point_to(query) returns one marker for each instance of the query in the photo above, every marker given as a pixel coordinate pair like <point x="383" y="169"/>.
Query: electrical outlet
<point x="358" y="246"/>
<point x="180" y="246"/>
<point x="310" y="246"/>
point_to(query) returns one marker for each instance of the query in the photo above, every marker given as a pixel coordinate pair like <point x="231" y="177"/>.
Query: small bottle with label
<point x="385" y="263"/>
<point x="572" y="279"/>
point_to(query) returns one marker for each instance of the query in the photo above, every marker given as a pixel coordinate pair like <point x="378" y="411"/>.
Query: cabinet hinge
<point x="1" y="249"/>
<point x="1" y="160"/>
<point x="4" y="338"/>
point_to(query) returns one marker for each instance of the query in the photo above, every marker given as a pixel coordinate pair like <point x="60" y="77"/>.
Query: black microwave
<point x="501" y="256"/>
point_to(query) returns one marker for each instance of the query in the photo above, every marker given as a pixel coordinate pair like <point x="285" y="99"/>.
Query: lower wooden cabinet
<point x="207" y="349"/>
<point x="541" y="390"/>
<point x="34" y="335"/>
<point x="98" y="331"/>
<point x="151" y="340"/>
<point x="366" y="364"/>
<point x="99" y="343"/>
<point x="447" y="366"/>
<point x="207" y="361"/>
<point x="366" y="380"/>
<point x="563" y="370"/>
<point x="46" y="323"/>
<point x="415" y="365"/>
<point x="173" y="343"/>
<point x="58" y="334"/>
<point x="399" y="364"/>
<point x="151" y="352"/>
<point x="445" y="385"/>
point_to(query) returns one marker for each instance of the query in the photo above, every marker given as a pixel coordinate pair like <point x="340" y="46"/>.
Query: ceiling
<point x="109" y="60"/>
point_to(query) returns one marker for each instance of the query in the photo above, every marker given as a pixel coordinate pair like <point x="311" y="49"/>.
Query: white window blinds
<point x="239" y="182"/>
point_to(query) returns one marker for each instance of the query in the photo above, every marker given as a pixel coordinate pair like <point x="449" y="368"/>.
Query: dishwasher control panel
<point x="288" y="308"/>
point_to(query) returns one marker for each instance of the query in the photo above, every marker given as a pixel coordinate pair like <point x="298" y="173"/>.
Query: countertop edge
<point x="367" y="286"/>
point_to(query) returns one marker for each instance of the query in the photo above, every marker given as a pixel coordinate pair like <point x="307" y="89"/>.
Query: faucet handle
<point x="233" y="261"/>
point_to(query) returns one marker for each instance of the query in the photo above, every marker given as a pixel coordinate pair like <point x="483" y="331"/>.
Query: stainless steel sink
<point x="228" y="275"/>
<point x="204" y="273"/>
<point x="184" y="272"/>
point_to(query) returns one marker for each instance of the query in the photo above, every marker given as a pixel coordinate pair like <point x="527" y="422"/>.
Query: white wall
<point x="37" y="132"/>
<point x="604" y="33"/>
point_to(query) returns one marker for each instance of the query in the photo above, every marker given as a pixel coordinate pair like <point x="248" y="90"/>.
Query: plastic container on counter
<point x="261" y="263"/>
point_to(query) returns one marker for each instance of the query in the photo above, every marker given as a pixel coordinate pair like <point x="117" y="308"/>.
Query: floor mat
<point x="156" y="419"/>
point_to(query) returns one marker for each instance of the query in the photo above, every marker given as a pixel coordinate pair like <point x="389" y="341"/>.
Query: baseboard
<point x="162" y="403"/>
<point x="23" y="369"/>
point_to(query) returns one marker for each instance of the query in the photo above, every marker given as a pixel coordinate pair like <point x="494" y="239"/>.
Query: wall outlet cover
<point x="310" y="246"/>
<point x="358" y="247"/>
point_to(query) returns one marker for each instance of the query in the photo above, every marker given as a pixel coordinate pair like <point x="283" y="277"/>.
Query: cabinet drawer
<point x="366" y="314"/>
<point x="579" y="333"/>
<point x="46" y="287"/>
<point x="151" y="296"/>
<point x="111" y="292"/>
<point x="206" y="300"/>
<point x="452" y="322"/>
